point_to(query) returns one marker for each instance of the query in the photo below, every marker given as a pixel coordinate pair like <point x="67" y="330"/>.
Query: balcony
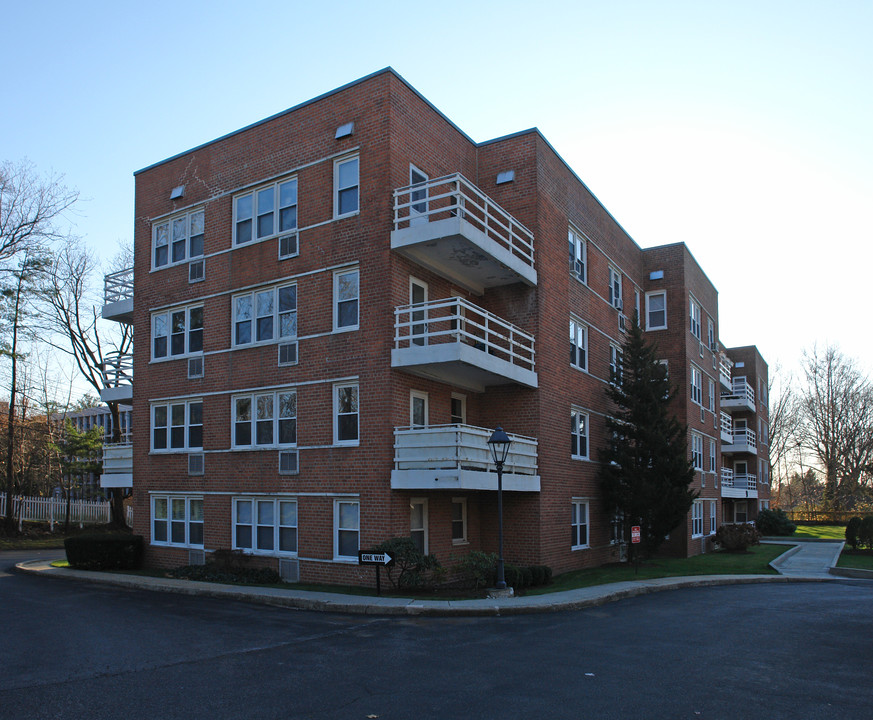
<point x="727" y="429"/>
<point x="456" y="457"/>
<point x="118" y="378"/>
<point x="743" y="440"/>
<point x="450" y="227"/>
<point x="118" y="296"/>
<point x="724" y="371"/>
<point x="741" y="396"/>
<point x="738" y="486"/>
<point x="456" y="342"/>
<point x="117" y="465"/>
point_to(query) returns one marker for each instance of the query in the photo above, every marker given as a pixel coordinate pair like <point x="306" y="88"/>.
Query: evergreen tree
<point x="645" y="472"/>
<point x="79" y="454"/>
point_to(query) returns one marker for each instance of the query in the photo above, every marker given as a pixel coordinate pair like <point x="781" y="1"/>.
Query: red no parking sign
<point x="635" y="533"/>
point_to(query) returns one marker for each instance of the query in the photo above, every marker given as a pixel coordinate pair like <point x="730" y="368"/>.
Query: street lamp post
<point x="499" y="443"/>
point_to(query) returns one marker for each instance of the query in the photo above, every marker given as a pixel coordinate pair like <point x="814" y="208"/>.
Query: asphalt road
<point x="75" y="650"/>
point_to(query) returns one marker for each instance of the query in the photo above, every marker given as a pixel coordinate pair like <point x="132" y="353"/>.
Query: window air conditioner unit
<point x="579" y="269"/>
<point x="196" y="557"/>
<point x="195" y="367"/>
<point x="289" y="569"/>
<point x="288" y="462"/>
<point x="196" y="271"/>
<point x="288" y="246"/>
<point x="288" y="353"/>
<point x="196" y="464"/>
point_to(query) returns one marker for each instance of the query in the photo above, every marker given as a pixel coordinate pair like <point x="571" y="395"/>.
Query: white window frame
<point x="462" y="503"/>
<point x="256" y="503"/>
<point x="337" y="300"/>
<point x="712" y="516"/>
<point x="697" y="451"/>
<point x="337" y="388"/>
<point x="577" y="524"/>
<point x="189" y="221"/>
<point x="649" y="324"/>
<point x="166" y="318"/>
<point x="279" y="334"/>
<point x="419" y="205"/>
<point x="418" y="395"/>
<point x="578" y="245"/>
<point x="462" y="399"/>
<point x="413" y="503"/>
<point x="694" y="314"/>
<point x="338" y="529"/>
<point x="616" y="359"/>
<point x="168" y="407"/>
<point x="578" y="344"/>
<point x="712" y="456"/>
<point x="257" y="401"/>
<point x="189" y="518"/>
<point x="615" y="290"/>
<point x="711" y="395"/>
<point x="697" y="519"/>
<point x="259" y="195"/>
<point x="696" y="385"/>
<point x="579" y="430"/>
<point x="337" y="190"/>
<point x="710" y="332"/>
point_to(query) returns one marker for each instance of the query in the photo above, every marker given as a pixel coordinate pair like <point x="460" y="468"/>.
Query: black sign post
<point x="377" y="559"/>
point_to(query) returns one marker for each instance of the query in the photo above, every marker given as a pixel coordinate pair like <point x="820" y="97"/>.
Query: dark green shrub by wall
<point x="120" y="551"/>
<point x="775" y="522"/>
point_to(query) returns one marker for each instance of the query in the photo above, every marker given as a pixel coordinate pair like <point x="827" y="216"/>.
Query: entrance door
<point x="418" y="296"/>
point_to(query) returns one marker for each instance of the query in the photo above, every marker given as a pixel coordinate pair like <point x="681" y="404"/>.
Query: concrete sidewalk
<point x="806" y="562"/>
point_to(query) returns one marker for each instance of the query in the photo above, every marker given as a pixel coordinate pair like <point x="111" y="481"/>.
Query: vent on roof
<point x="345" y="130"/>
<point x="656" y="275"/>
<point x="505" y="177"/>
<point x="177" y="192"/>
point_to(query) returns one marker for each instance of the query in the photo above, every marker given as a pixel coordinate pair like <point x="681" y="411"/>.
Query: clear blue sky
<point x="744" y="129"/>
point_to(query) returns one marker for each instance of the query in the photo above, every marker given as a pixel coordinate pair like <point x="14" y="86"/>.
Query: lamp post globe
<point x="499" y="443"/>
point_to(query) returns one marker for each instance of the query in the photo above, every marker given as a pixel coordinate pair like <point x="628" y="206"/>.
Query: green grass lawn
<point x="821" y="532"/>
<point x="859" y="559"/>
<point x="38" y="536"/>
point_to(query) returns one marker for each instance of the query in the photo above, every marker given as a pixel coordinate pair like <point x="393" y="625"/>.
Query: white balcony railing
<point x="741" y="482"/>
<point x="727" y="477"/>
<point x="118" y="286"/>
<point x="745" y="438"/>
<point x="741" y="395"/>
<point x="118" y="369"/>
<point x="455" y="320"/>
<point x="455" y="196"/>
<point x="727" y="427"/>
<point x="724" y="370"/>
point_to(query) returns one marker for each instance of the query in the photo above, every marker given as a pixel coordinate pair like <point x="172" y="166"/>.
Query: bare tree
<point x="784" y="422"/>
<point x="837" y="407"/>
<point x="96" y="347"/>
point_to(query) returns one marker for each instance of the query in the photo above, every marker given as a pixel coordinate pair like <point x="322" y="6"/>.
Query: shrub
<point x="538" y="574"/>
<point x="853" y="527"/>
<point x="411" y="567"/>
<point x="865" y="532"/>
<point x="737" y="538"/>
<point x="116" y="551"/>
<point x="478" y="568"/>
<point x="775" y="522"/>
<point x="217" y="572"/>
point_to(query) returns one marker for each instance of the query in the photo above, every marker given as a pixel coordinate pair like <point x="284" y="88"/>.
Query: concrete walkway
<point x="806" y="562"/>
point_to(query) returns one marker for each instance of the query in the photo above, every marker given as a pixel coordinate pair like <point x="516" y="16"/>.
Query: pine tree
<point x="645" y="472"/>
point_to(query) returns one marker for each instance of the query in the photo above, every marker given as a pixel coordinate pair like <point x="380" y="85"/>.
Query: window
<point x="418" y="523"/>
<point x="579" y="526"/>
<point x="712" y="507"/>
<point x="265" y="419"/>
<point x="711" y="395"/>
<point x="267" y="212"/>
<point x="347" y="532"/>
<point x="615" y="365"/>
<point x="712" y="457"/>
<point x="695" y="318"/>
<point x="346" y="180"/>
<point x="710" y="333"/>
<point x="459" y="409"/>
<point x="418" y="409"/>
<point x="697" y="451"/>
<point x="345" y="410"/>
<point x="418" y="198"/>
<point x="656" y="311"/>
<point x="178" y="239"/>
<point x="578" y="255"/>
<point x="459" y="521"/>
<point x="696" y="385"/>
<point x="578" y="434"/>
<point x="615" y="288"/>
<point x="265" y="525"/>
<point x="697" y="518"/>
<point x="177" y="426"/>
<point x="578" y="344"/>
<point x="265" y="316"/>
<point x="177" y="332"/>
<point x="346" y="293"/>
<point x="177" y="520"/>
<point x="741" y="511"/>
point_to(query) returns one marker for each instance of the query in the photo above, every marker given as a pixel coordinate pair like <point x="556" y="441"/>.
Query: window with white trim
<point x="697" y="451"/>
<point x="578" y="255"/>
<point x="712" y="512"/>
<point x="458" y="409"/>
<point x="710" y="333"/>
<point x="579" y="434"/>
<point x="177" y="332"/>
<point x="265" y="526"/>
<point x="711" y="395"/>
<point x="346" y="296"/>
<point x="418" y="409"/>
<point x="656" y="310"/>
<point x="697" y="518"/>
<point x="265" y="316"/>
<point x="712" y="457"/>
<point x="695" y="317"/>
<point x="579" y="525"/>
<point x="696" y="385"/>
<point x="346" y="412"/>
<point x="578" y="344"/>
<point x="418" y="523"/>
<point x="615" y="288"/>
<point x="615" y="365"/>
<point x="346" y="186"/>
<point x="177" y="426"/>
<point x="178" y="239"/>
<point x="459" y="521"/>
<point x="177" y="520"/>
<point x="267" y="212"/>
<point x="347" y="529"/>
<point x="265" y="419"/>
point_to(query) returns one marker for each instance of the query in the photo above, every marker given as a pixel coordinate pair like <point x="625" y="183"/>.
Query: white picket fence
<point x="53" y="510"/>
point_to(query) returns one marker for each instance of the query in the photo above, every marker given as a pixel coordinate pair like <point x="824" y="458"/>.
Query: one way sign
<point x="370" y="558"/>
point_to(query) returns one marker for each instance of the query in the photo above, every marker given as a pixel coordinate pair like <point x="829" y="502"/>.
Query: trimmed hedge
<point x="775" y="522"/>
<point x="737" y="538"/>
<point x="116" y="551"/>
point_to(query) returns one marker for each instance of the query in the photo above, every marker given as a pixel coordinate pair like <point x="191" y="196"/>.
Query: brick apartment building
<point x="334" y="307"/>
